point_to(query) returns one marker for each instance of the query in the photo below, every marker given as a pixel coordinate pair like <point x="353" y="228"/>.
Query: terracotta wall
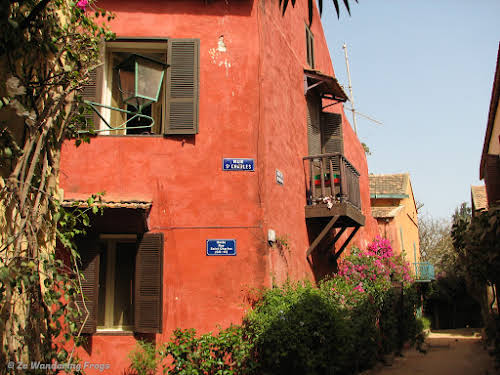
<point x="252" y="105"/>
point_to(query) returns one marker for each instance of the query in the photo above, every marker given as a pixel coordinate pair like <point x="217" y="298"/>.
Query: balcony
<point x="327" y="196"/>
<point x="333" y="196"/>
<point x="424" y="272"/>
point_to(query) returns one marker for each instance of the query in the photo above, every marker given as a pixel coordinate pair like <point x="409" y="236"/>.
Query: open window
<point x="122" y="284"/>
<point x="175" y="112"/>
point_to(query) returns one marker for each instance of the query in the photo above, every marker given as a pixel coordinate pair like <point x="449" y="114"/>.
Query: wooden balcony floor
<point x="350" y="216"/>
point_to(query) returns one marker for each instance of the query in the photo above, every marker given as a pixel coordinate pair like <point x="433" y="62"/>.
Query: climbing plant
<point x="47" y="49"/>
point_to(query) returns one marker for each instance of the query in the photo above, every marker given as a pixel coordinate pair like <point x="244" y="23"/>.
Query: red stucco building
<point x="242" y="82"/>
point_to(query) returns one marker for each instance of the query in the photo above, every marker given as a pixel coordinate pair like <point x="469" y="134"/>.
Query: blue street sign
<point x="221" y="247"/>
<point x="238" y="164"/>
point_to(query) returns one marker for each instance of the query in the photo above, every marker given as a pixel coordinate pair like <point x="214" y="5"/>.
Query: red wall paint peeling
<point x="251" y="105"/>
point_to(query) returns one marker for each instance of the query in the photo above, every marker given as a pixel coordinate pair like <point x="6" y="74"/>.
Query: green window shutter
<point x="148" y="284"/>
<point x="182" y="92"/>
<point x="89" y="255"/>
<point x="313" y="125"/>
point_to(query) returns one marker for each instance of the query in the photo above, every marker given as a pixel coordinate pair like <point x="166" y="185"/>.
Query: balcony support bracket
<point x="323" y="233"/>
<point x="346" y="242"/>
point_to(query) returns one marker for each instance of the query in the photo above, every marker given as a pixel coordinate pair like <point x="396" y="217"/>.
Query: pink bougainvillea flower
<point x="82" y="4"/>
<point x="359" y="288"/>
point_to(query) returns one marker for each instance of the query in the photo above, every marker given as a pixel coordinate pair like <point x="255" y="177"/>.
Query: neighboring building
<point x="489" y="169"/>
<point x="394" y="207"/>
<point x="243" y="82"/>
<point x="479" y="199"/>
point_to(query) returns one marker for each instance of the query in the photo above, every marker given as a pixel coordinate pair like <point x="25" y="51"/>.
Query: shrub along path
<point x="449" y="352"/>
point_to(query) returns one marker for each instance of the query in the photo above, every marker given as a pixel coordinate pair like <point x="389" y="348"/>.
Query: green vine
<point x="47" y="49"/>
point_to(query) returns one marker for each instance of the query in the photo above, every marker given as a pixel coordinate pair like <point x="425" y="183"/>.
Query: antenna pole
<point x="353" y="110"/>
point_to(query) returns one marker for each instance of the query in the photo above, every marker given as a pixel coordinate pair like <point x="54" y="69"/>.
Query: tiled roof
<point x="382" y="212"/>
<point x="134" y="204"/>
<point x="388" y="184"/>
<point x="479" y="198"/>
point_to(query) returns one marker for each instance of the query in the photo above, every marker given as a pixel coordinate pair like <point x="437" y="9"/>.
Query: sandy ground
<point x="449" y="352"/>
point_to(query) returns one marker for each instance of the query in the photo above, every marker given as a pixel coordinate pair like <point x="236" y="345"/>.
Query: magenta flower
<point x="82" y="4"/>
<point x="359" y="288"/>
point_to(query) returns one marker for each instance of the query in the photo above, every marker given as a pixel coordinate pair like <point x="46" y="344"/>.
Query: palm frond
<point x="283" y="4"/>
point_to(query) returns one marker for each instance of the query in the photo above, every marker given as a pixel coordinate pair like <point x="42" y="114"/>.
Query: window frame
<point x="111" y="241"/>
<point x="148" y="280"/>
<point x="129" y="46"/>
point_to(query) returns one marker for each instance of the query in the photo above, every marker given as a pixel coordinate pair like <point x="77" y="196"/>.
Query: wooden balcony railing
<point x="332" y="179"/>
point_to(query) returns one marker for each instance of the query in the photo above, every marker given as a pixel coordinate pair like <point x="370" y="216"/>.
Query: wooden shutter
<point x="331" y="133"/>
<point x="148" y="284"/>
<point x="181" y="115"/>
<point x="492" y="178"/>
<point x="313" y="125"/>
<point x="92" y="91"/>
<point x="309" y="47"/>
<point x="89" y="254"/>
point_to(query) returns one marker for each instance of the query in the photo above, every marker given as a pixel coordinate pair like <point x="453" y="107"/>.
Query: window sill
<point x="113" y="332"/>
<point x="131" y="135"/>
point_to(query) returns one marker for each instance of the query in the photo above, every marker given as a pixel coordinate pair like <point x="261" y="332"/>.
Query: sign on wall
<point x="238" y="164"/>
<point x="221" y="247"/>
<point x="279" y="177"/>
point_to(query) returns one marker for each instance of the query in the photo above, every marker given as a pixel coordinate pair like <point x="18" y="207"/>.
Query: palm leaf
<point x="283" y="4"/>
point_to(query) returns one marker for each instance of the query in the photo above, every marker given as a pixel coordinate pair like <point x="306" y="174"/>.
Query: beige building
<point x="394" y="207"/>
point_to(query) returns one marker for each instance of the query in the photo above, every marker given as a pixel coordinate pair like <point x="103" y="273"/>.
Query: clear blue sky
<point x="425" y="69"/>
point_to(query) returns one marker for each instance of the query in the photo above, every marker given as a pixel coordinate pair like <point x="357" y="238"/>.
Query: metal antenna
<point x="351" y="99"/>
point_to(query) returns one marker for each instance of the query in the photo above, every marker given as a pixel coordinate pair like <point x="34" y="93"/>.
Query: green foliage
<point x="340" y="327"/>
<point x="482" y="246"/>
<point x="294" y="330"/>
<point x="47" y="49"/>
<point x="284" y="4"/>
<point x="144" y="359"/>
<point x="224" y="353"/>
<point x="476" y="240"/>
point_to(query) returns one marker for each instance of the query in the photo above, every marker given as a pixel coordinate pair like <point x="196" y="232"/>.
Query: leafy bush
<point x="144" y="359"/>
<point x="295" y="329"/>
<point x="224" y="353"/>
<point x="343" y="326"/>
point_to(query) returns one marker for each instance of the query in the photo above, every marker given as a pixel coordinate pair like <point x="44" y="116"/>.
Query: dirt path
<point x="449" y="352"/>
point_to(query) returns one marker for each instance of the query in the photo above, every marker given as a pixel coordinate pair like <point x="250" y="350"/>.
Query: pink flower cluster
<point x="82" y="4"/>
<point x="381" y="247"/>
<point x="376" y="263"/>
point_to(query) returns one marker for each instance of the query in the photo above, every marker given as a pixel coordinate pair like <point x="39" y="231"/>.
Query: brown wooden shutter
<point x="492" y="178"/>
<point x="181" y="115"/>
<point x="92" y="91"/>
<point x="89" y="254"/>
<point x="309" y="47"/>
<point x="332" y="139"/>
<point x="148" y="284"/>
<point x="313" y="126"/>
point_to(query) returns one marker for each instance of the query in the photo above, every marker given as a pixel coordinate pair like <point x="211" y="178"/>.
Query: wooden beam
<point x="322" y="235"/>
<point x="337" y="236"/>
<point x="338" y="253"/>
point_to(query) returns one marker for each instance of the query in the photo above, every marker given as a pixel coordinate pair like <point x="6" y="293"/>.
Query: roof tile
<point x="389" y="183"/>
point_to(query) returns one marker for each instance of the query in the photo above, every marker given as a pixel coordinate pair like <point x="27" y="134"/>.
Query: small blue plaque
<point x="221" y="247"/>
<point x="238" y="164"/>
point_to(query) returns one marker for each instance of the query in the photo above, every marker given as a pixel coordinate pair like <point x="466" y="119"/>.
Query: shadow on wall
<point x="321" y="261"/>
<point x="192" y="7"/>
